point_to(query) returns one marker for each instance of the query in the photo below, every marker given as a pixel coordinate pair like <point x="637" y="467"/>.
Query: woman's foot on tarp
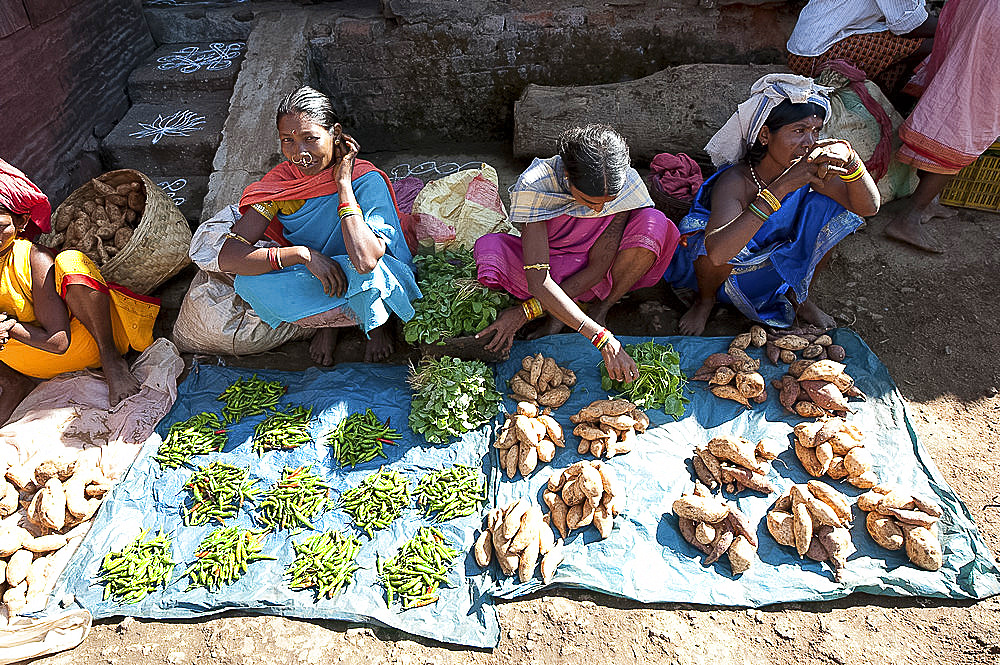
<point x="323" y="344"/>
<point x="810" y="313"/>
<point x="694" y="320"/>
<point x="380" y="345"/>
<point x="121" y="383"/>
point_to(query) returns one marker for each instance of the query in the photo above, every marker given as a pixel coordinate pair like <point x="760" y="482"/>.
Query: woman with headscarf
<point x="59" y="314"/>
<point x="589" y="233"/>
<point x="342" y="258"/>
<point x="958" y="114"/>
<point x="763" y="225"/>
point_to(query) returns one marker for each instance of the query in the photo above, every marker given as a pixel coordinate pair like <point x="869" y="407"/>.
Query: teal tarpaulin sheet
<point x="645" y="557"/>
<point x="151" y="497"/>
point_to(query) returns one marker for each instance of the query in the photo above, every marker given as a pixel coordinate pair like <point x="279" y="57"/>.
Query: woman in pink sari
<point x="958" y="114"/>
<point x="589" y="233"/>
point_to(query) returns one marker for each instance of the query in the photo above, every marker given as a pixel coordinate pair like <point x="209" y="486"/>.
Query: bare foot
<point x="121" y="383"/>
<point x="551" y="327"/>
<point x="380" y="344"/>
<point x="693" y="321"/>
<point x="810" y="313"/>
<point x="909" y="228"/>
<point x="322" y="346"/>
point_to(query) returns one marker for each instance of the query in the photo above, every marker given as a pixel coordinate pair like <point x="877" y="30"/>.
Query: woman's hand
<point x="619" y="364"/>
<point x="345" y="150"/>
<point x="327" y="271"/>
<point x="503" y="329"/>
<point x="831" y="156"/>
<point x="6" y="323"/>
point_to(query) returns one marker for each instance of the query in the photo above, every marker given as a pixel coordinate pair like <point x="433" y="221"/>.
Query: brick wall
<point x="66" y="64"/>
<point x="430" y="70"/>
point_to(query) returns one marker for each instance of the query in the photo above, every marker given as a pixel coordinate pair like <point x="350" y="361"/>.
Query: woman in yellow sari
<point x="58" y="313"/>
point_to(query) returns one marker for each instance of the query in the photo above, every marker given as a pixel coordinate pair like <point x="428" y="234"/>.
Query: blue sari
<point x="782" y="255"/>
<point x="295" y="293"/>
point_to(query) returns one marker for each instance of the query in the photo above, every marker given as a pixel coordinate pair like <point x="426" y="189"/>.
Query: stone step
<point x="180" y="137"/>
<point x="188" y="192"/>
<point x="187" y="71"/>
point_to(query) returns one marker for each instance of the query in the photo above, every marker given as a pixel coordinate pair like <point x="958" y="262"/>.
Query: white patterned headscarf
<point x="731" y="143"/>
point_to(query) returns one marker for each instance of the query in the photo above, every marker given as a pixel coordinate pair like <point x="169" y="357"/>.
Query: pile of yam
<point x="814" y="519"/>
<point x="43" y="503"/>
<point x="716" y="528"/>
<point x="520" y="537"/>
<point x="608" y="427"/>
<point x="527" y="438"/>
<point x="733" y="375"/>
<point x="583" y="494"/>
<point x="815" y="388"/>
<point x="735" y="463"/>
<point x="802" y="344"/>
<point x="897" y="518"/>
<point x="99" y="227"/>
<point x="542" y="382"/>
<point x="834" y="447"/>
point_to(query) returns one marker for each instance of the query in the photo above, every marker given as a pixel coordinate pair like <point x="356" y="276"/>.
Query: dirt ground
<point x="931" y="319"/>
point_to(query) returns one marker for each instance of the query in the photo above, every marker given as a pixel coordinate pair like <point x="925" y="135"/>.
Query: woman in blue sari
<point x="342" y="258"/>
<point x="763" y="225"/>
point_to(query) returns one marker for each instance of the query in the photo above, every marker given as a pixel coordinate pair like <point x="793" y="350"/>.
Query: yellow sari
<point x="132" y="315"/>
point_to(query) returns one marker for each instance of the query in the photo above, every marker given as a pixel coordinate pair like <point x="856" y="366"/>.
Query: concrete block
<point x="187" y="70"/>
<point x="160" y="138"/>
<point x="674" y="110"/>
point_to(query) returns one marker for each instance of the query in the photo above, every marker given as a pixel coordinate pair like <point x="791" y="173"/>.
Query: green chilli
<point x="359" y="438"/>
<point x="454" y="492"/>
<point x="135" y="572"/>
<point x="378" y="500"/>
<point x="294" y="500"/>
<point x="216" y="492"/>
<point x="324" y="561"/>
<point x="420" y="567"/>
<point x="250" y="397"/>
<point x="283" y="430"/>
<point x="200" y="434"/>
<point x="224" y="556"/>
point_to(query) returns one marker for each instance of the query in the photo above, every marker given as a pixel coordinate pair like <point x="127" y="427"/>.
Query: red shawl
<point x="285" y="182"/>
<point x="22" y="197"/>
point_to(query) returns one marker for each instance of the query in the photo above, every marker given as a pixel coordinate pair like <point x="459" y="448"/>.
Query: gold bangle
<point x="855" y="175"/>
<point x="532" y="309"/>
<point x="537" y="266"/>
<point x="770" y="199"/>
<point x="237" y="236"/>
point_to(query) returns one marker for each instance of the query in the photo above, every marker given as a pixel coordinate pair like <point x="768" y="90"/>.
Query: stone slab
<point x="187" y="71"/>
<point x="176" y="138"/>
<point x="174" y="24"/>
<point x="187" y="191"/>
<point x="674" y="110"/>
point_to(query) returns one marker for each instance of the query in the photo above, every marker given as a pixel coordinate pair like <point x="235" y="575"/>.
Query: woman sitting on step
<point x="764" y="224"/>
<point x="342" y="258"/>
<point x="58" y="314"/>
<point x="589" y="233"/>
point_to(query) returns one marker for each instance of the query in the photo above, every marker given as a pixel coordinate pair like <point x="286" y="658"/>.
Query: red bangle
<point x="272" y="256"/>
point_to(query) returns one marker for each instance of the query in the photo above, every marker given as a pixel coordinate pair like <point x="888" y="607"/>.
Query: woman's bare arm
<point x="52" y="333"/>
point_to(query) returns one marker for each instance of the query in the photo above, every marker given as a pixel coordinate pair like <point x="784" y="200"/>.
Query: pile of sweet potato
<point x="43" y="502"/>
<point x="102" y="226"/>
<point x="520" y="537"/>
<point x="527" y="438"/>
<point x="585" y="493"/>
<point x="835" y="448"/>
<point x="897" y="518"/>
<point x="815" y="388"/>
<point x="716" y="528"/>
<point x="608" y="427"/>
<point x="733" y="375"/>
<point x="803" y="343"/>
<point x="542" y="382"/>
<point x="814" y="519"/>
<point x="735" y="463"/>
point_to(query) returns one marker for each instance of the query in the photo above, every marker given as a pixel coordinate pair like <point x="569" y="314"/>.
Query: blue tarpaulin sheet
<point x="151" y="497"/>
<point x="646" y="559"/>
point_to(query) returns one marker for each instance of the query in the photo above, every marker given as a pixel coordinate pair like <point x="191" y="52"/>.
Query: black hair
<point x="596" y="159"/>
<point x="783" y="114"/>
<point x="310" y="103"/>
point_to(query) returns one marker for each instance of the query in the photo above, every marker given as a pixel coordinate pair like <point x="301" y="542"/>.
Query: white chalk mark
<point x="181" y="123"/>
<point x="191" y="59"/>
<point x="172" y="189"/>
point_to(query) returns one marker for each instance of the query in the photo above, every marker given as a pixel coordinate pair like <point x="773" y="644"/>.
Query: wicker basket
<point x="159" y="246"/>
<point x="672" y="207"/>
<point x="977" y="186"/>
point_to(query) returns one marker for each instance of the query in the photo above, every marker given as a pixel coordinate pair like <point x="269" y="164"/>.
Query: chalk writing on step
<point x="191" y="59"/>
<point x="173" y="189"/>
<point x="181" y="123"/>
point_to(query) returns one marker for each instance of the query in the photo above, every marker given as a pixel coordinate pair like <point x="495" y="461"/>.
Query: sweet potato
<point x="741" y="555"/>
<point x="722" y="376"/>
<point x="780" y="524"/>
<point x="864" y="481"/>
<point x="825" y="395"/>
<point x="52" y="505"/>
<point x="545" y="450"/>
<point x="824" y="454"/>
<point x="523" y="388"/>
<point x="43" y="544"/>
<point x="746" y="478"/>
<point x="554" y="397"/>
<point x="527" y="460"/>
<point x="741" y="341"/>
<point x="831" y="497"/>
<point x="786" y="356"/>
<point x="822" y="370"/>
<point x="751" y="384"/>
<point x="791" y="343"/>
<point x="803" y="528"/>
<point x="553" y="430"/>
<point x="741" y="525"/>
<point x="758" y="336"/>
<point x="805" y="433"/>
<point x="735" y="449"/>
<point x="730" y="392"/>
<point x="796" y="368"/>
<point x="711" y="462"/>
<point x="837" y="470"/>
<point x="927" y="506"/>
<point x="768" y="449"/>
<point x="808" y="409"/>
<point x="884" y="531"/>
<point x="723" y="539"/>
<point x="914" y="517"/>
<point x="552" y="560"/>
<point x="700" y="509"/>
<point x="809" y="461"/>
<point x="510" y="460"/>
<point x="603" y="520"/>
<point x="17" y="566"/>
<point x="858" y="461"/>
<point x="702" y="473"/>
<point x="9" y="499"/>
<point x="527" y="531"/>
<point x="922" y="547"/>
<point x="822" y="513"/>
<point x="718" y="360"/>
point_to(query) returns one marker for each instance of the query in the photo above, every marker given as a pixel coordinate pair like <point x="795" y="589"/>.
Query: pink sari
<point x="958" y="115"/>
<point x="501" y="266"/>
